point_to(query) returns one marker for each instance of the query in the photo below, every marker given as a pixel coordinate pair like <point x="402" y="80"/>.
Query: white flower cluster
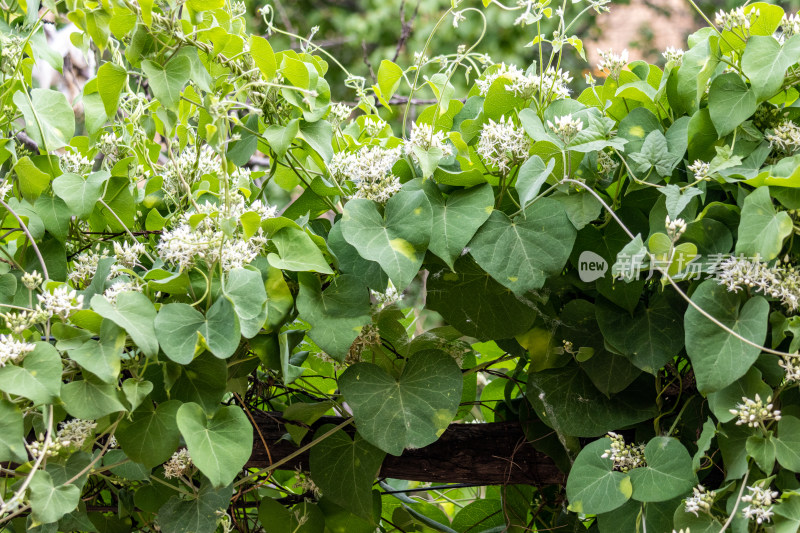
<point x="565" y="127"/>
<point x="73" y="162"/>
<point x="19" y="321"/>
<point x="184" y="246"/>
<point x="675" y="228"/>
<point x="700" y="169"/>
<point x="12" y="350"/>
<point x="62" y="302"/>
<point x="127" y="254"/>
<point x="776" y="282"/>
<point x="613" y="63"/>
<point x="700" y="501"/>
<point x="790" y="25"/>
<point x="110" y="147"/>
<point x="31" y="280"/>
<point x="374" y="125"/>
<point x="189" y="167"/>
<point x="11" y="47"/>
<point x="73" y="433"/>
<point x="178" y="464"/>
<point x="84" y="266"/>
<point x="423" y="137"/>
<point x="754" y="413"/>
<point x="370" y="170"/>
<point x="502" y="144"/>
<point x="675" y="55"/>
<point x="624" y="456"/>
<point x="792" y="367"/>
<point x="386" y="298"/>
<point x="554" y="83"/>
<point x="118" y="287"/>
<point x="736" y="19"/>
<point x="785" y="138"/>
<point x="339" y="114"/>
<point x="760" y="504"/>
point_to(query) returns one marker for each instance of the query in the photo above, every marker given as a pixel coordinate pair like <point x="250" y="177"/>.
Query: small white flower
<point x="700" y="169"/>
<point x="189" y="167"/>
<point x="31" y="280"/>
<point x="792" y="367"/>
<point x="458" y="17"/>
<point x="756" y="412"/>
<point x="370" y="170"/>
<point x="118" y="287"/>
<point x="566" y="127"/>
<point x="784" y="138"/>
<point x="127" y="254"/>
<point x="675" y="228"/>
<point x="736" y="19"/>
<point x="760" y="500"/>
<point x="75" y="163"/>
<point x="339" y="114"/>
<point x="790" y="25"/>
<point x="390" y="296"/>
<point x="624" y="456"/>
<point x="84" y="267"/>
<point x="700" y="501"/>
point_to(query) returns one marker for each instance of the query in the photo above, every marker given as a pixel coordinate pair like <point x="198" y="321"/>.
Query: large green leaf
<point x="337" y="314"/>
<point x="650" y="336"/>
<point x="151" y="436"/>
<point x="297" y="252"/>
<point x="762" y="230"/>
<point x="718" y="357"/>
<point x="593" y="486"/>
<point x="765" y="61"/>
<point x="245" y="289"/>
<point x="668" y="473"/>
<point x="220" y="445"/>
<point x="49" y="119"/>
<point x="344" y="470"/>
<point x="350" y="262"/>
<point x="730" y="102"/>
<point x="567" y="400"/>
<point x="12" y="445"/>
<point x="102" y="358"/>
<point x="532" y="175"/>
<point x="32" y="181"/>
<point x="195" y="515"/>
<point x="55" y="214"/>
<point x="397" y="240"/>
<point x="39" y="377"/>
<point x="48" y="502"/>
<point x="457" y="218"/>
<point x="134" y="312"/>
<point x="202" y="381"/>
<point x="111" y="79"/>
<point x="787" y="445"/>
<point x="80" y="194"/>
<point x="90" y="398"/>
<point x="410" y="411"/>
<point x="182" y="330"/>
<point x="521" y="253"/>
<point x="723" y="401"/>
<point x="167" y="81"/>
<point x="702" y="523"/>
<point x="475" y="304"/>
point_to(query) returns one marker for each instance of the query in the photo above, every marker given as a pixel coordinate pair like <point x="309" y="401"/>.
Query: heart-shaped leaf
<point x="762" y="230"/>
<point x="133" y="312"/>
<point x="245" y="289"/>
<point x="90" y="398"/>
<point x="197" y="515"/>
<point x="220" y="445"/>
<point x="344" y="470"/>
<point x="39" y="377"/>
<point x="410" y="411"/>
<point x="297" y="252"/>
<point x="718" y="357"/>
<point x="181" y="330"/>
<point x="167" y="81"/>
<point x="50" y="503"/>
<point x="49" y="119"/>
<point x="396" y="240"/>
<point x="12" y="445"/>
<point x="521" y="253"/>
<point x="151" y="436"/>
<point x="593" y="486"/>
<point x="668" y="473"/>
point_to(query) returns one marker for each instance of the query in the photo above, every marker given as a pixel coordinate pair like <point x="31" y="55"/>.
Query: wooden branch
<point x="479" y="454"/>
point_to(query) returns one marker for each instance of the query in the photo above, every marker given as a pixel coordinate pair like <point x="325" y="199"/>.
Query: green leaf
<point x="532" y="175"/>
<point x="49" y="119"/>
<point x="702" y="523"/>
<point x="39" y="377"/>
<point x="581" y="207"/>
<point x="668" y="473"/>
<point x="350" y="262"/>
<point x="245" y="289"/>
<point x="730" y="102"/>
<point x="428" y="393"/>
<point x="480" y="515"/>
<point x="650" y="336"/>
<point x="151" y="436"/>
<point x="593" y="487"/>
<point x="182" y="330"/>
<point x="397" y="240"/>
<point x="55" y="214"/>
<point x="12" y="445"/>
<point x="167" y="81"/>
<point x="787" y="444"/>
<point x="297" y="252"/>
<point x="344" y="470"/>
<point x="787" y="514"/>
<point x="718" y="357"/>
<point x="48" y="502"/>
<point x="475" y="304"/>
<point x="762" y="450"/>
<point x="32" y="181"/>
<point x="202" y="381"/>
<point x="765" y="61"/>
<point x="389" y="76"/>
<point x="90" y="398"/>
<point x="655" y="155"/>
<point x="762" y="231"/>
<point x="103" y="358"/>
<point x="677" y="200"/>
<point x="111" y="79"/>
<point x="337" y="314"/>
<point x="196" y="515"/>
<point x="747" y="386"/>
<point x="80" y="194"/>
<point x="567" y="400"/>
<point x="521" y="253"/>
<point x="136" y="391"/>
<point x="263" y="56"/>
<point x="220" y="445"/>
<point x="457" y="218"/>
<point x="134" y="312"/>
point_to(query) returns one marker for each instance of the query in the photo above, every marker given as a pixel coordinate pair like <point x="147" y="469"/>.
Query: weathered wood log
<point x="480" y="454"/>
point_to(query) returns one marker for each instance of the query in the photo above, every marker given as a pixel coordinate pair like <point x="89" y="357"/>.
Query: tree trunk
<point x="479" y="454"/>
